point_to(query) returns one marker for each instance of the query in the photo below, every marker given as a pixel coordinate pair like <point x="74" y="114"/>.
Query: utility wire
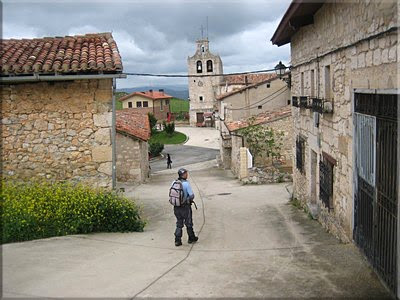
<point x="200" y="75"/>
<point x="253" y="105"/>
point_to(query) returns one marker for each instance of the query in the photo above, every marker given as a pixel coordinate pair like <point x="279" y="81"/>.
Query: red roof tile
<point x="222" y="96"/>
<point x="251" y="78"/>
<point x="262" y="118"/>
<point x="148" y="94"/>
<point x="133" y="123"/>
<point x="90" y="53"/>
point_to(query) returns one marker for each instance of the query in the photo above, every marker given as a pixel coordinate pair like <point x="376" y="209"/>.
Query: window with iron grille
<point x="300" y="150"/>
<point x="326" y="165"/>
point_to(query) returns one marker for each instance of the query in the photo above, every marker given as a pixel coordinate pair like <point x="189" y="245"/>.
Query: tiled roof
<point x="262" y="118"/>
<point x="239" y="90"/>
<point x="251" y="78"/>
<point x="83" y="54"/>
<point x="148" y="94"/>
<point x="133" y="123"/>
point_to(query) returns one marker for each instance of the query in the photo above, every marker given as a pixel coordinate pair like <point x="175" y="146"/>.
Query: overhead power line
<point x="197" y="75"/>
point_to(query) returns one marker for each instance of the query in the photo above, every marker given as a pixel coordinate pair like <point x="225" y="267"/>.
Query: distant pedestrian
<point x="169" y="162"/>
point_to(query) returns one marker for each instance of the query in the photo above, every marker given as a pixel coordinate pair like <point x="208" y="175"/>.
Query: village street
<point x="252" y="243"/>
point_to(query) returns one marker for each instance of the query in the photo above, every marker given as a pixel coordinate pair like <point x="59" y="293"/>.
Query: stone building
<point x="231" y="142"/>
<point x="156" y="102"/>
<point x="57" y="107"/>
<point x="202" y="90"/>
<point x="253" y="99"/>
<point x="345" y="104"/>
<point x="133" y="132"/>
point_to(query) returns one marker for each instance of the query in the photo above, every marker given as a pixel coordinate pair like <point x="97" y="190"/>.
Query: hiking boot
<point x="178" y="242"/>
<point x="193" y="239"/>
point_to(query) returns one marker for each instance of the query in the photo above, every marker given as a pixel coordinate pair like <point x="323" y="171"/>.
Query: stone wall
<point x="285" y="126"/>
<point x="284" y="163"/>
<point x="368" y="64"/>
<point x="58" y="131"/>
<point x="132" y="159"/>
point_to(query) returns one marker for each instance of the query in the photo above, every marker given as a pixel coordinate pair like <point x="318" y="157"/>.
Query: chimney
<point x="161" y="91"/>
<point x="151" y="92"/>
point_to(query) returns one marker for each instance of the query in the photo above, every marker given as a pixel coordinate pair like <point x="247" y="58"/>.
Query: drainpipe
<point x="113" y="133"/>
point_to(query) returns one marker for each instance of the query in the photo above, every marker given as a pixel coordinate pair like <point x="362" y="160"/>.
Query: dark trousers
<point x="169" y="165"/>
<point x="183" y="216"/>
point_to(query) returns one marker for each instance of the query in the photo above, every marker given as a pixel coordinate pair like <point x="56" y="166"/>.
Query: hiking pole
<point x="194" y="204"/>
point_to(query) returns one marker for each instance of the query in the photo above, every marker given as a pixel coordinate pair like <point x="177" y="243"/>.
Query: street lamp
<point x="280" y="70"/>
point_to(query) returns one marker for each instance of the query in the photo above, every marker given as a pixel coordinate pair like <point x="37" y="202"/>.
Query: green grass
<point x="179" y="105"/>
<point x="163" y="138"/>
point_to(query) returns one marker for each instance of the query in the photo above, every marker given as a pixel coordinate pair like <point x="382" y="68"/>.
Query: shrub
<point x="40" y="210"/>
<point x="169" y="128"/>
<point x="155" y="148"/>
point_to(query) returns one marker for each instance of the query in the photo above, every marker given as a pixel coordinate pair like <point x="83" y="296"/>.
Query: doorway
<point x="375" y="182"/>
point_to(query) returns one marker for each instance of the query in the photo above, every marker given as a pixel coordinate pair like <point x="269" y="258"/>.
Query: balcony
<point x="317" y="105"/>
<point x="304" y="102"/>
<point x="321" y="106"/>
<point x="295" y="101"/>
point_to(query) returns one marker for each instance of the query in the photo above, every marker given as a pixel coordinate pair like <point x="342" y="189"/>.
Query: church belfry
<point x="202" y="90"/>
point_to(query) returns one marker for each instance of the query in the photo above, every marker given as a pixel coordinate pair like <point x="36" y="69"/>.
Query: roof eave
<point x="292" y="20"/>
<point x="38" y="77"/>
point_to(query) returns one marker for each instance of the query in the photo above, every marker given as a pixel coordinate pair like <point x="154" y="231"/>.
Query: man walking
<point x="183" y="213"/>
<point x="169" y="162"/>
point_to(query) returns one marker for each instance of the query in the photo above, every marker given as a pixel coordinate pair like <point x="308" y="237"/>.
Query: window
<point x="130" y="104"/>
<point x="326" y="179"/>
<point x="268" y="85"/>
<point x="161" y="105"/>
<point x="139" y="104"/>
<point x="201" y="98"/>
<point x="199" y="67"/>
<point x="260" y="107"/>
<point x="167" y="102"/>
<point x="327" y="76"/>
<point x="302" y="84"/>
<point x="300" y="151"/>
<point x="209" y="66"/>
<point x="312" y="92"/>
<point x="145" y="103"/>
<point x="202" y="48"/>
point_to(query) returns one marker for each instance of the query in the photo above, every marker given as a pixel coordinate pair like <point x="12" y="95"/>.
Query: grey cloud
<point x="158" y="36"/>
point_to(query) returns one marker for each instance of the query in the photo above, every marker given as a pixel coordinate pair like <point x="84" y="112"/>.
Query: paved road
<point x="252" y="244"/>
<point x="183" y="155"/>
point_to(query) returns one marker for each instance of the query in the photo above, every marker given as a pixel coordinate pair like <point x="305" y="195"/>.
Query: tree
<point x="153" y="122"/>
<point x="262" y="141"/>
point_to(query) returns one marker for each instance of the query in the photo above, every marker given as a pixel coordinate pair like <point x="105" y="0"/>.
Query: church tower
<point x="202" y="90"/>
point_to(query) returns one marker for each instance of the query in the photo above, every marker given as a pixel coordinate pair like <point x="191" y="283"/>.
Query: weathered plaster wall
<point x="58" y="131"/>
<point x="134" y="99"/>
<point x="246" y="103"/>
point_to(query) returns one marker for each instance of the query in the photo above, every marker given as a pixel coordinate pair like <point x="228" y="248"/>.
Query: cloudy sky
<point x="158" y="36"/>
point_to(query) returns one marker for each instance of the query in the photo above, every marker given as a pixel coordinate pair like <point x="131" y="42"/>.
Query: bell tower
<point x="204" y="85"/>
